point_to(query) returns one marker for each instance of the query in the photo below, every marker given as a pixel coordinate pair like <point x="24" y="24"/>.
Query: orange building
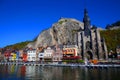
<point x="70" y="54"/>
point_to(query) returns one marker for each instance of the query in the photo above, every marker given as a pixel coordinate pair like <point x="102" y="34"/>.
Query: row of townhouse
<point x="49" y="54"/>
<point x="54" y="53"/>
<point x="11" y="55"/>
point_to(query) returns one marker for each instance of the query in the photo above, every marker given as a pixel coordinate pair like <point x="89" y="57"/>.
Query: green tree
<point x="112" y="38"/>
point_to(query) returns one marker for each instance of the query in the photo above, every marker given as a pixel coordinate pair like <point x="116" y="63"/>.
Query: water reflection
<point x="21" y="72"/>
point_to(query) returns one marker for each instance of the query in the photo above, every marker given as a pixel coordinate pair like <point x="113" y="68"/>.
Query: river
<point x="21" y="72"/>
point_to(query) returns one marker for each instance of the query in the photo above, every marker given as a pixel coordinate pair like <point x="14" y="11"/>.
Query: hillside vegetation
<point x="112" y="38"/>
<point x="20" y="45"/>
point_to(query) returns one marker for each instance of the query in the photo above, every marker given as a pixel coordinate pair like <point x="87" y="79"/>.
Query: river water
<point x="21" y="72"/>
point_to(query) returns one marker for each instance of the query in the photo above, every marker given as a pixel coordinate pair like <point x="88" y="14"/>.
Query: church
<point x="90" y="44"/>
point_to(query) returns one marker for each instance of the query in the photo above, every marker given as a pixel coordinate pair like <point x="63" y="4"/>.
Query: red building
<point x="24" y="58"/>
<point x="7" y="55"/>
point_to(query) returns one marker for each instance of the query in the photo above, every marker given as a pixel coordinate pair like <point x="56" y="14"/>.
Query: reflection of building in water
<point x="12" y="68"/>
<point x="30" y="71"/>
<point x="45" y="73"/>
<point x="57" y="72"/>
<point x="23" y="70"/>
<point x="5" y="69"/>
<point x="72" y="73"/>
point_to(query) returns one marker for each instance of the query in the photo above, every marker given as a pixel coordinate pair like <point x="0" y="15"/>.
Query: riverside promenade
<point x="63" y="65"/>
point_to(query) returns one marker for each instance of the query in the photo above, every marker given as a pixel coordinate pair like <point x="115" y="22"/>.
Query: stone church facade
<point x="89" y="42"/>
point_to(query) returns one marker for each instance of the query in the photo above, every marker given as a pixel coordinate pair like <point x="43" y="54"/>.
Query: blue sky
<point x="22" y="20"/>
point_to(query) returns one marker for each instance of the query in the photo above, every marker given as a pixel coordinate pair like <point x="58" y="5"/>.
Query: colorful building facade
<point x="70" y="53"/>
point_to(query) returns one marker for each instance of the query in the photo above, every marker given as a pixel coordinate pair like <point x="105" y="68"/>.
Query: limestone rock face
<point x="60" y="32"/>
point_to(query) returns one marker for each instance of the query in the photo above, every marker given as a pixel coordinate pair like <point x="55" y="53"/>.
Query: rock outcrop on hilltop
<point x="60" y="32"/>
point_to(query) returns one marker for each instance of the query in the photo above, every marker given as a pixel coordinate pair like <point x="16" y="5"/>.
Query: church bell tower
<point x="86" y="21"/>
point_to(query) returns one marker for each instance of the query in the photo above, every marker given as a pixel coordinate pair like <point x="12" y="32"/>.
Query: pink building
<point x="57" y="54"/>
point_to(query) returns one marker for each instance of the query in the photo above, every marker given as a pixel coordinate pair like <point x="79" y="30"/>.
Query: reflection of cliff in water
<point x="21" y="72"/>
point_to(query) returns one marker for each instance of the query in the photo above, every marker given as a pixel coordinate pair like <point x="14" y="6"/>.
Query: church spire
<point x="86" y="21"/>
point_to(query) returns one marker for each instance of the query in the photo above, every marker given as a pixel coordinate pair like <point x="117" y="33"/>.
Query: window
<point x="33" y="58"/>
<point x="28" y="57"/>
<point x="41" y="54"/>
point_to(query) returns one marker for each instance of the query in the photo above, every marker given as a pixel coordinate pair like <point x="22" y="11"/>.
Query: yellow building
<point x="13" y="56"/>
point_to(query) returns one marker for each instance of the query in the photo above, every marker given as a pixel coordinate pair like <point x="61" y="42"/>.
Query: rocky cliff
<point x="60" y="32"/>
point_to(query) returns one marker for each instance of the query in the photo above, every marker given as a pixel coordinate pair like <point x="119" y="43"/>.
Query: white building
<point x="48" y="54"/>
<point x="31" y="55"/>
